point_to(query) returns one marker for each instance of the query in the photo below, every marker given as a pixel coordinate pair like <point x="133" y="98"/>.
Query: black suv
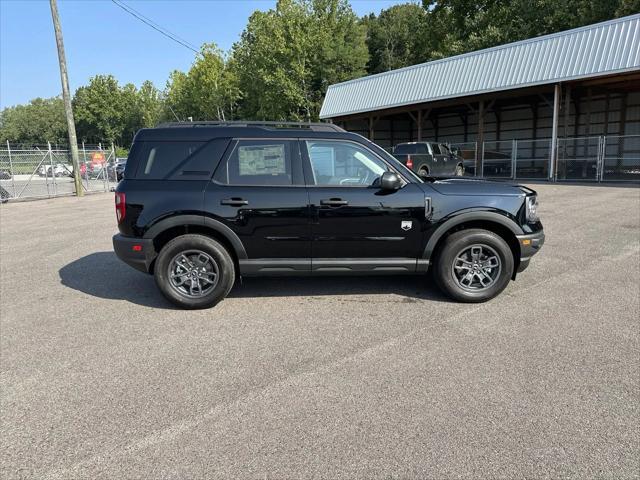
<point x="203" y="203"/>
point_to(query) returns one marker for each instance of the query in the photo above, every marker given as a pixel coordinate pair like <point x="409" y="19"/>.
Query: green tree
<point x="208" y="91"/>
<point x="287" y="57"/>
<point x="100" y="110"/>
<point x="459" y="26"/>
<point x="106" y="112"/>
<point x="42" y="120"/>
<point x="628" y="7"/>
<point x="176" y="99"/>
<point x="150" y="103"/>
<point x="130" y="105"/>
<point x="395" y="38"/>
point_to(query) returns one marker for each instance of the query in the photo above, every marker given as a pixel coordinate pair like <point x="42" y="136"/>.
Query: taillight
<point x="409" y="162"/>
<point x="121" y="208"/>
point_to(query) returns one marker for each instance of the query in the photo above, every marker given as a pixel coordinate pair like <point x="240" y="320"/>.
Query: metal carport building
<point x="563" y="106"/>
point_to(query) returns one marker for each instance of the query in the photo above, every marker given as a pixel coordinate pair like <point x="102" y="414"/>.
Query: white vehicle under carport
<point x="429" y="159"/>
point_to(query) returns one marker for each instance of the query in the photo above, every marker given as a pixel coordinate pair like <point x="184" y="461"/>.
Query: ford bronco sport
<point x="203" y="203"/>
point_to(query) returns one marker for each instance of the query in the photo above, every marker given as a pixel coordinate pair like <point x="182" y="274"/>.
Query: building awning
<point x="601" y="49"/>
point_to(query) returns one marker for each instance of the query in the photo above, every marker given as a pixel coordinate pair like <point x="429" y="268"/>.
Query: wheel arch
<point x="425" y="166"/>
<point x="491" y="221"/>
<point x="165" y="230"/>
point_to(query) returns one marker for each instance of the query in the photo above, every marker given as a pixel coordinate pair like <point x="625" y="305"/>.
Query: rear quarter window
<point x="178" y="160"/>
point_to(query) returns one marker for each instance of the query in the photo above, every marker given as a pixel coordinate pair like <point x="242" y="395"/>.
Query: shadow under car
<point x="103" y="275"/>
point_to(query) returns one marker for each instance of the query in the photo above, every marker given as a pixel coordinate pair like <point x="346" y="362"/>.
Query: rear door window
<point x="262" y="162"/>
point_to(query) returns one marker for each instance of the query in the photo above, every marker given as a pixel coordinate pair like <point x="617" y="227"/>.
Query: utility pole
<point x="71" y="126"/>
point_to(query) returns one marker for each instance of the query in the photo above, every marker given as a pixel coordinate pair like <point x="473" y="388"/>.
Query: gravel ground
<point x="328" y="377"/>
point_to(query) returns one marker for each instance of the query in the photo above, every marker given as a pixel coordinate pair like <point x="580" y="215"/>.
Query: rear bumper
<point x="530" y="244"/>
<point x="138" y="253"/>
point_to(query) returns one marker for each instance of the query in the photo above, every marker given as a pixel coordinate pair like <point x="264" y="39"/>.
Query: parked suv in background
<point x="429" y="159"/>
<point x="203" y="203"/>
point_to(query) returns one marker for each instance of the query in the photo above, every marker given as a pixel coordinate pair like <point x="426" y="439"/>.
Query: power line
<point x="155" y="26"/>
<point x="131" y="9"/>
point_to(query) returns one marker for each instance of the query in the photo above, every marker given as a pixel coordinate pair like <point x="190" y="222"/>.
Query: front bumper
<point x="138" y="253"/>
<point x="530" y="244"/>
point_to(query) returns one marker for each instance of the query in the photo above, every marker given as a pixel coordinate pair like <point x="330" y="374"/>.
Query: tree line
<point x="286" y="57"/>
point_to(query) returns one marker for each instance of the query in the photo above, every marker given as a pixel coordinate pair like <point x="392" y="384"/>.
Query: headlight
<point x="532" y="209"/>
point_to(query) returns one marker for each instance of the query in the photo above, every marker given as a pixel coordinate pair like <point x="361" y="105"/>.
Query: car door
<point x="439" y="160"/>
<point x="356" y="226"/>
<point x="450" y="160"/>
<point x="258" y="191"/>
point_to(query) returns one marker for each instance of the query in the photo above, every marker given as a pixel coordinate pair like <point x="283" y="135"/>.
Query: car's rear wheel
<point x="423" y="171"/>
<point x="474" y="265"/>
<point x="459" y="171"/>
<point x="194" y="271"/>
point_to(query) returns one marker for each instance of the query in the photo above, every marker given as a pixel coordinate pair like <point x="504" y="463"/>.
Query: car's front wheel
<point x="194" y="271"/>
<point x="474" y="265"/>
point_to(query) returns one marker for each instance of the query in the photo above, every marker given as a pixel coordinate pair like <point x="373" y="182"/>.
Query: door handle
<point x="334" y="202"/>
<point x="234" y="202"/>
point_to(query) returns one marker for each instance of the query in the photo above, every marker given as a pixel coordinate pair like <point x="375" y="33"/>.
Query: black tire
<point x="219" y="259"/>
<point x="423" y="171"/>
<point x="459" y="245"/>
<point x="459" y="171"/>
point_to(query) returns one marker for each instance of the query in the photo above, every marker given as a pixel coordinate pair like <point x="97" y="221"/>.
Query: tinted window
<point x="435" y="148"/>
<point x="156" y="160"/>
<point x="410" y="148"/>
<point x="343" y="164"/>
<point x="260" y="162"/>
<point x="201" y="164"/>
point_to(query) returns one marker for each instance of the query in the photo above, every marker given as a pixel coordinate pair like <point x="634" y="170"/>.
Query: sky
<point x="101" y="38"/>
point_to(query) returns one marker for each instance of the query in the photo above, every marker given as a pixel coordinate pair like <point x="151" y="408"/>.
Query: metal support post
<point x="554" y="131"/>
<point x="13" y="180"/>
<point x="514" y="156"/>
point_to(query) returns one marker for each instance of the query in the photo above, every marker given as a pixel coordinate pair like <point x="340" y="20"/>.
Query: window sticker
<point x="262" y="160"/>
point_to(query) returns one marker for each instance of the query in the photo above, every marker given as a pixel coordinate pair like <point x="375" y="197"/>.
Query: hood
<point x="475" y="187"/>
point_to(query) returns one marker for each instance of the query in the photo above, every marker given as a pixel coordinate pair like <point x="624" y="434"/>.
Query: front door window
<point x="343" y="164"/>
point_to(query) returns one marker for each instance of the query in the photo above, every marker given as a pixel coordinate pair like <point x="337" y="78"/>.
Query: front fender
<point x="496" y="216"/>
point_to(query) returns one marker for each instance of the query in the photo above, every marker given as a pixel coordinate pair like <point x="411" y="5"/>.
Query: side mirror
<point x="390" y="181"/>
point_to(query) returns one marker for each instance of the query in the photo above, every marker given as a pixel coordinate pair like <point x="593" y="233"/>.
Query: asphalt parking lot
<point x="329" y="377"/>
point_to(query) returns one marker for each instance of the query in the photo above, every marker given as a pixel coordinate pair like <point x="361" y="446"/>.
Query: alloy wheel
<point x="476" y="268"/>
<point x="193" y="273"/>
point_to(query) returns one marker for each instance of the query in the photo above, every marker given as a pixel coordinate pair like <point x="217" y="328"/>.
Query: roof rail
<point x="315" y="126"/>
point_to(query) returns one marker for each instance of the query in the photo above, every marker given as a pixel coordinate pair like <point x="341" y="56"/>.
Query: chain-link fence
<point x="610" y="158"/>
<point x="531" y="159"/>
<point x="620" y="158"/>
<point x="497" y="159"/>
<point x="579" y="159"/>
<point x="45" y="171"/>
